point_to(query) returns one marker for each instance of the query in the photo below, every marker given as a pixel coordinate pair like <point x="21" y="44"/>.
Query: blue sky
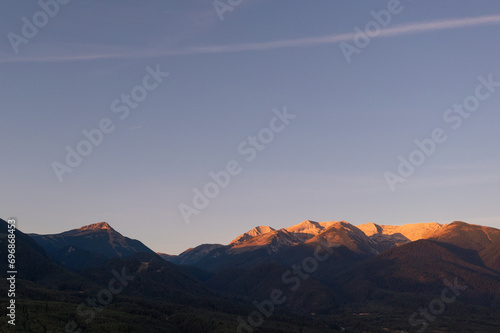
<point x="353" y="119"/>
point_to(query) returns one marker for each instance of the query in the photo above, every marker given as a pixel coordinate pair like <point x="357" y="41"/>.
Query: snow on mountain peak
<point x="273" y="241"/>
<point x="412" y="232"/>
<point x="257" y="231"/>
<point x="306" y="226"/>
<point x="96" y="226"/>
<point x="308" y="229"/>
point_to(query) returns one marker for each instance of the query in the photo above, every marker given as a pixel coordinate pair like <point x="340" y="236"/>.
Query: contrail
<point x="406" y="29"/>
<point x="117" y="52"/>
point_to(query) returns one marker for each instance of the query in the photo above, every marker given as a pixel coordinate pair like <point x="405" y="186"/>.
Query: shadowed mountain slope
<point x="89" y="245"/>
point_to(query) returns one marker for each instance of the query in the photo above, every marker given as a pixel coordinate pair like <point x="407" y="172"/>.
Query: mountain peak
<point x="411" y="232"/>
<point x="97" y="239"/>
<point x="465" y="235"/>
<point x="261" y="230"/>
<point x="346" y="234"/>
<point x="308" y="229"/>
<point x="272" y="241"/>
<point x="97" y="226"/>
<point x="307" y="224"/>
<point x="257" y="231"/>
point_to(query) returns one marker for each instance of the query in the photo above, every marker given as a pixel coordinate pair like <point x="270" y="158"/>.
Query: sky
<point x="299" y="109"/>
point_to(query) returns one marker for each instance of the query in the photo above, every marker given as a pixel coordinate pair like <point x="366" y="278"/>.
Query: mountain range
<point x="329" y="274"/>
<point x="367" y="239"/>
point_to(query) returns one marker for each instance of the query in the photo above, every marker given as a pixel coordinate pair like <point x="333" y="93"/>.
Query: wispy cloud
<point x="116" y="52"/>
<point x="412" y="28"/>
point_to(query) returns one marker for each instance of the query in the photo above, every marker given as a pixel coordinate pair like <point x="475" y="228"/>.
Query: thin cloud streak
<point x="128" y="53"/>
<point x="440" y="25"/>
<point x="407" y="29"/>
